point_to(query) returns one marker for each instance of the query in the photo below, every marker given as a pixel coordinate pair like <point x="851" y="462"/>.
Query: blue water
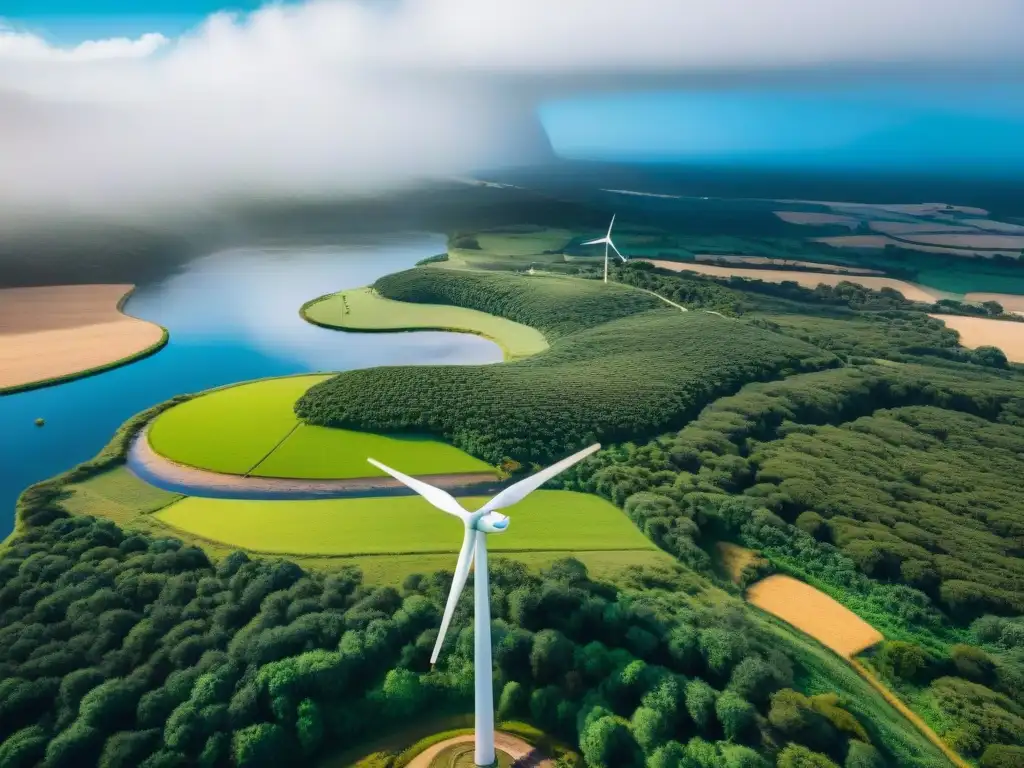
<point x="232" y="316"/>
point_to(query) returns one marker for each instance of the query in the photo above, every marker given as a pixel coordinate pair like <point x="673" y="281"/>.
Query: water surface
<point x="232" y="316"/>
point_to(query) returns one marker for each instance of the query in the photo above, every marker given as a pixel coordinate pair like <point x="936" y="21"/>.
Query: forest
<point x="127" y="650"/>
<point x="897" y="489"/>
<point x="621" y="379"/>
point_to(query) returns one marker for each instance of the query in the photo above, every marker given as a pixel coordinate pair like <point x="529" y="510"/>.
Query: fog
<point x="352" y="98"/>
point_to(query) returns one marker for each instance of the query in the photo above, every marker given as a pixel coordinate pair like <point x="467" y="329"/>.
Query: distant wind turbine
<point x="607" y="240"/>
<point x="474" y="543"/>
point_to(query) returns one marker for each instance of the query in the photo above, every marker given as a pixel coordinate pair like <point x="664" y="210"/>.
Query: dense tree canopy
<point x="637" y="375"/>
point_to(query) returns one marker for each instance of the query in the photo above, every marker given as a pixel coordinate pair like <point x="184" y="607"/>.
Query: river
<point x="232" y="316"/>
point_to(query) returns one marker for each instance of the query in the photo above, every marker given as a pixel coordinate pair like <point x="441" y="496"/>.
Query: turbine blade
<point x="617" y="252"/>
<point x="523" y="488"/>
<point x="609" y="235"/>
<point x="594" y="242"/>
<point x="440" y="499"/>
<point x="458" y="584"/>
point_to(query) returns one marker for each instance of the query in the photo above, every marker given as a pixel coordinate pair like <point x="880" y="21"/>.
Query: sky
<point x="114" y="107"/>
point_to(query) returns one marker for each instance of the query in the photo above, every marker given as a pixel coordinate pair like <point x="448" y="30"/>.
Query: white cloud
<point x="342" y="96"/>
<point x="25" y="46"/>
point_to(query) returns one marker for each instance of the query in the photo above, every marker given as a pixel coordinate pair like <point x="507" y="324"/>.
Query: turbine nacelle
<point x="492" y="522"/>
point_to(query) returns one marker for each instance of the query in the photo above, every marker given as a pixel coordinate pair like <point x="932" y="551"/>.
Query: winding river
<point x="232" y="316"/>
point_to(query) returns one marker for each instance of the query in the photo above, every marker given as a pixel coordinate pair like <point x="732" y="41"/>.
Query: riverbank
<point x="365" y="311"/>
<point x="54" y="334"/>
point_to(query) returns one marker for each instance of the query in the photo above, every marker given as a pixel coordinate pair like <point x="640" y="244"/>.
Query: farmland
<point x="985" y="332"/>
<point x="807" y="279"/>
<point x="815" y="613"/>
<point x="546" y="520"/>
<point x="362" y="309"/>
<point x="56" y="333"/>
<point x="218" y="432"/>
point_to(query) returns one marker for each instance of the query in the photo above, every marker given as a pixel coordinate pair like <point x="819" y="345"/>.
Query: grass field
<point x="546" y="520"/>
<point x="362" y="309"/>
<point x="116" y="494"/>
<point x="252" y="429"/>
<point x="815" y="613"/>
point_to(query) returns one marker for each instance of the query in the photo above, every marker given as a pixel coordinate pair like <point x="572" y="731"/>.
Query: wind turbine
<point x="607" y="240"/>
<point x="474" y="544"/>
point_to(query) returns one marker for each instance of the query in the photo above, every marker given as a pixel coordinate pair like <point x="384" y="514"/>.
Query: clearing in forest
<point x="814" y="613"/>
<point x="733" y="559"/>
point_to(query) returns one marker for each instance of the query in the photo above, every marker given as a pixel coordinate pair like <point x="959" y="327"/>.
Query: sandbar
<point x="985" y="332"/>
<point x="806" y="279"/>
<point x="809" y="218"/>
<point x="54" y="333"/>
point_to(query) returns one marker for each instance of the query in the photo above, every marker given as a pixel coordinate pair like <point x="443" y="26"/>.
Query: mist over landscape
<point x="350" y="99"/>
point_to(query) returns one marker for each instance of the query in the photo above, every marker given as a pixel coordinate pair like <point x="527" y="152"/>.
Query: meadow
<point x="362" y="309"/>
<point x="220" y="431"/>
<point x="546" y="520"/>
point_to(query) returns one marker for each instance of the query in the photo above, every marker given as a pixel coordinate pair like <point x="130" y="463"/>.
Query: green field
<point x="546" y="520"/>
<point x="252" y="429"/>
<point x="362" y="309"/>
<point x="116" y="494"/>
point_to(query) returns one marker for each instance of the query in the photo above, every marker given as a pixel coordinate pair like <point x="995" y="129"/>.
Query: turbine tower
<point x="474" y="544"/>
<point x="607" y="240"/>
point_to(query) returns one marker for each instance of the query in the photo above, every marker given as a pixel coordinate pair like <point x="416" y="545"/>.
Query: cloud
<point x="24" y="46"/>
<point x="347" y="97"/>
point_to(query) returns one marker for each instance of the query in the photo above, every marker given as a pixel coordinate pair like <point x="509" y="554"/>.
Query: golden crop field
<point x="815" y="613"/>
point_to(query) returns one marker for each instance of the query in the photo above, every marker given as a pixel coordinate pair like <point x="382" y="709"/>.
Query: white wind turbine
<point x="474" y="543"/>
<point x="607" y="240"/>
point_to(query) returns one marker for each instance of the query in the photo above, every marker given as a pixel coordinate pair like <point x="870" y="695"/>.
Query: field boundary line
<point x="277" y="445"/>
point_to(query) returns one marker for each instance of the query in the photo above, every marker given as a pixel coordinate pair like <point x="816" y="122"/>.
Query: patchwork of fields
<point x="251" y="429"/>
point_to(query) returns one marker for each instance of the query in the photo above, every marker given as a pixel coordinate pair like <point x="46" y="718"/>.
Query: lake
<point x="232" y="316"/>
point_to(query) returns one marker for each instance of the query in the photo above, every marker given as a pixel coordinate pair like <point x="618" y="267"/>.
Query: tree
<point x="972" y="663"/>
<point x="754" y="679"/>
<point x="862" y="755"/>
<point x="24" y="748"/>
<point x="736" y="715"/>
<point x="904" y="660"/>
<point x="513" y="700"/>
<point x="700" y="703"/>
<point x="1002" y="756"/>
<point x="794" y="715"/>
<point x="128" y="749"/>
<point x="650" y="727"/>
<point x="607" y="743"/>
<point x="798" y="756"/>
<point x="551" y="656"/>
<point x="738" y="756"/>
<point x="672" y="754"/>
<point x="309" y="725"/>
<point x="263" y="745"/>
<point x="403" y="692"/>
<point x="990" y="356"/>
